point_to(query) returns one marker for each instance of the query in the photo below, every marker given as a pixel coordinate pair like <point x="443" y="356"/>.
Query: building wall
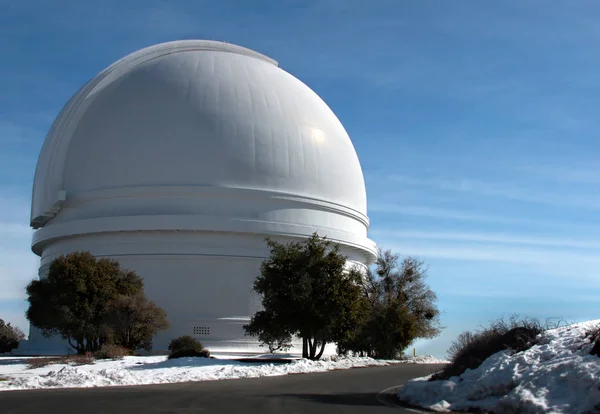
<point x="202" y="279"/>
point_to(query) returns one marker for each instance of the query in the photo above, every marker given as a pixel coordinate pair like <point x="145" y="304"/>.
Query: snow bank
<point x="557" y="375"/>
<point x="159" y="370"/>
<point x="423" y="359"/>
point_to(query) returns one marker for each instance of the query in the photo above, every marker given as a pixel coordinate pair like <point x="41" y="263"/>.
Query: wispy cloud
<point x="12" y="229"/>
<point x="18" y="265"/>
<point x="587" y="174"/>
<point x="17" y="269"/>
<point x="511" y="191"/>
<point x="525" y="258"/>
<point x="495" y="253"/>
<point x="454" y="214"/>
<point x="499" y="238"/>
<point x="480" y="217"/>
<point x="11" y="132"/>
<point x="13" y="311"/>
<point x="508" y="293"/>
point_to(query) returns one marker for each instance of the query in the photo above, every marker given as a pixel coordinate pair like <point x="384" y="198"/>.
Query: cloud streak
<point x="454" y="214"/>
<point x="499" y="238"/>
<point x="475" y="217"/>
<point x="494" y="253"/>
<point x="18" y="265"/>
<point x="564" y="174"/>
<point x="502" y="190"/>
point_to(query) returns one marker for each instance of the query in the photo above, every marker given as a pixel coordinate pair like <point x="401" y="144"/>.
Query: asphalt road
<point x="345" y="391"/>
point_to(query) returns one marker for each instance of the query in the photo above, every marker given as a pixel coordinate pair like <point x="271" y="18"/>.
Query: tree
<point x="132" y="321"/>
<point x="269" y="332"/>
<point x="10" y="336"/>
<point x="305" y="292"/>
<point x="401" y="308"/>
<point x="74" y="299"/>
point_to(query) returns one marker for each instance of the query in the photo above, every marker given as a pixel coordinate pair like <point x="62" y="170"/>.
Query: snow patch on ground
<point x="558" y="375"/>
<point x="424" y="359"/>
<point x="159" y="370"/>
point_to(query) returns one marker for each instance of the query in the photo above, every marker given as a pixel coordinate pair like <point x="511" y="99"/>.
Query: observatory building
<point x="177" y="161"/>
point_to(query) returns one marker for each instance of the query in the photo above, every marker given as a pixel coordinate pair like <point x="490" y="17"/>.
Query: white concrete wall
<point x="202" y="279"/>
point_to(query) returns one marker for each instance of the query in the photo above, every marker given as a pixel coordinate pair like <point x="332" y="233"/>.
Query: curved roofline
<point x="175" y="46"/>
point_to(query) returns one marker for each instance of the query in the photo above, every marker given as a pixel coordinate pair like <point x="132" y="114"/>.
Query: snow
<point x="423" y="359"/>
<point x="159" y="370"/>
<point x="558" y="375"/>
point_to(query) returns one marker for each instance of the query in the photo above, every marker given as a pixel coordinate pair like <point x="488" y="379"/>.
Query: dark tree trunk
<point x="312" y="345"/>
<point x="76" y="346"/>
<point x="596" y="348"/>
<point x="304" y="348"/>
<point x="320" y="354"/>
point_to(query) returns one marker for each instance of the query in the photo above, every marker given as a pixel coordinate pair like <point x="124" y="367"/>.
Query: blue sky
<point x="475" y="122"/>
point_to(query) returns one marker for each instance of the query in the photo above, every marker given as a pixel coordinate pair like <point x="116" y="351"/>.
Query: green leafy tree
<point x="10" y="336"/>
<point x="269" y="332"/>
<point x="401" y="308"/>
<point x="74" y="299"/>
<point x="132" y="321"/>
<point x="306" y="292"/>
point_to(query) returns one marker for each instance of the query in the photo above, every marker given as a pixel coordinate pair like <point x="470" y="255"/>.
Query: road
<point x="344" y="391"/>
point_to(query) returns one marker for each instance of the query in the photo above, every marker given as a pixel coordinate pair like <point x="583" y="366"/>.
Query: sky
<point x="475" y="123"/>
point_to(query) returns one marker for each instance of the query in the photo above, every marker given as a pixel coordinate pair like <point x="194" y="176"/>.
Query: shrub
<point x="70" y="360"/>
<point x="184" y="343"/>
<point x="42" y="362"/>
<point x="186" y="346"/>
<point x="470" y="349"/>
<point x="10" y="336"/>
<point x="184" y="353"/>
<point x="77" y="359"/>
<point x="112" y="351"/>
<point x="593" y="334"/>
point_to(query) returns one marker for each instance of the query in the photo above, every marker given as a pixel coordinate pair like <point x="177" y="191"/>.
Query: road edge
<point x="388" y="397"/>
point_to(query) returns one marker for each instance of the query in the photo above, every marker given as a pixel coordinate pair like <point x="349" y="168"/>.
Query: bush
<point x="10" y="336"/>
<point x="75" y="360"/>
<point x="470" y="349"/>
<point x="593" y="334"/>
<point x="185" y="353"/>
<point x="184" y="343"/>
<point x="186" y="346"/>
<point x="111" y="351"/>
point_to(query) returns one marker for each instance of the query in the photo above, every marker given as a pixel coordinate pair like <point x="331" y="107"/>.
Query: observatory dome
<point x="198" y="113"/>
<point x="180" y="158"/>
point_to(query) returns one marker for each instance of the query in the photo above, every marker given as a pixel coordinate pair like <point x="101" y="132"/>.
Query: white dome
<point x="184" y="136"/>
<point x="198" y="113"/>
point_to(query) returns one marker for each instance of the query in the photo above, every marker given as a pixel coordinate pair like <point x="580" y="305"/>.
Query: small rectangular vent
<point x="201" y="330"/>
